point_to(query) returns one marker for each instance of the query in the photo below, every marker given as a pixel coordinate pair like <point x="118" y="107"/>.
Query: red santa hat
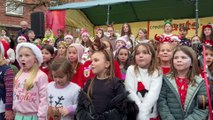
<point x="22" y="36"/>
<point x="69" y="36"/>
<point x="36" y="51"/>
<point x="207" y="26"/>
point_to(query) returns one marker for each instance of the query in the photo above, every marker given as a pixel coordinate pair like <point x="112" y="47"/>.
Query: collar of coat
<point x="191" y="92"/>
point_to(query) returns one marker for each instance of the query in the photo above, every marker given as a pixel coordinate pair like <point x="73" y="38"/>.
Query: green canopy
<point x="121" y="11"/>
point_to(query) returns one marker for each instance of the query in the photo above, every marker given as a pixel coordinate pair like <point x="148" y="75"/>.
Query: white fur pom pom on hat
<point x="36" y="51"/>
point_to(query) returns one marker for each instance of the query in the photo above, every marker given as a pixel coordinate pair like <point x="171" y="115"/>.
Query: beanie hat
<point x="36" y="51"/>
<point x="68" y="36"/>
<point x="80" y="50"/>
<point x="123" y="38"/>
<point x="23" y="37"/>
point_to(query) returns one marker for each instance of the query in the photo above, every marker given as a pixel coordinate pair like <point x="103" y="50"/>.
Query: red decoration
<point x="209" y="42"/>
<point x="182" y="84"/>
<point x="163" y="39"/>
<point x="140" y="86"/>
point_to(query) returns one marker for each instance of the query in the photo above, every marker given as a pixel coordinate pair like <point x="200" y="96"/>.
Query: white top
<point x="66" y="97"/>
<point x="2" y="106"/>
<point x="11" y="55"/>
<point x="152" y="83"/>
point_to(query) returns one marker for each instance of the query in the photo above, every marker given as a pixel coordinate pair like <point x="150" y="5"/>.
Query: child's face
<point x="209" y="57"/>
<point x="182" y="62"/>
<point x="99" y="64"/>
<point x="85" y="38"/>
<point x="3" y="32"/>
<point x="123" y="55"/>
<point x="26" y="58"/>
<point x="141" y="34"/>
<point x="68" y="41"/>
<point x="31" y="35"/>
<point x="47" y="33"/>
<point x="165" y="53"/>
<point x="142" y="57"/>
<point x="61" y="50"/>
<point x="125" y="28"/>
<point x="183" y="33"/>
<point x="46" y="55"/>
<point x="168" y="28"/>
<point x="51" y="43"/>
<point x="60" y="78"/>
<point x="196" y="39"/>
<point x="20" y="40"/>
<point x="175" y="43"/>
<point x="99" y="33"/>
<point x="119" y="44"/>
<point x="72" y="54"/>
<point x="37" y="41"/>
<point x="110" y="31"/>
<point x="207" y="31"/>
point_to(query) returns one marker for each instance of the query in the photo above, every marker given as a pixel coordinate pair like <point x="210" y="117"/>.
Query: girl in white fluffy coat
<point x="143" y="81"/>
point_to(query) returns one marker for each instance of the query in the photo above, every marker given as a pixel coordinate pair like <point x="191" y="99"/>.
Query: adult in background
<point x="24" y="29"/>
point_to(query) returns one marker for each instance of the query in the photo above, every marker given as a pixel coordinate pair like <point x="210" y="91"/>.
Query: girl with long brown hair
<point x="181" y="88"/>
<point x="144" y="80"/>
<point x="104" y="92"/>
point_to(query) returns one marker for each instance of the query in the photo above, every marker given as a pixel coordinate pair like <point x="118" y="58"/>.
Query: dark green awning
<point x="139" y="10"/>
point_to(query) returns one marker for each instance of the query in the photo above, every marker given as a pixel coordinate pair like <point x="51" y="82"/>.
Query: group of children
<point x="122" y="79"/>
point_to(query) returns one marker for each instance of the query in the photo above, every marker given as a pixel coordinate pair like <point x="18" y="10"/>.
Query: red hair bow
<point x="163" y="39"/>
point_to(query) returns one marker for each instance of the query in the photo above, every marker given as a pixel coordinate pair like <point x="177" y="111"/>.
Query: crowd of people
<point x="111" y="77"/>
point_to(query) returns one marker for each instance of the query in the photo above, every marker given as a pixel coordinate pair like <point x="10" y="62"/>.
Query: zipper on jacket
<point x="187" y="108"/>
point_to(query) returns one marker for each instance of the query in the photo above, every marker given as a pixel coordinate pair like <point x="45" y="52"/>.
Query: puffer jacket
<point x="169" y="104"/>
<point x="121" y="108"/>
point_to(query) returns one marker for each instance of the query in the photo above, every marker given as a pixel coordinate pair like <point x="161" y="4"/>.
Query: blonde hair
<point x="32" y="75"/>
<point x="159" y="49"/>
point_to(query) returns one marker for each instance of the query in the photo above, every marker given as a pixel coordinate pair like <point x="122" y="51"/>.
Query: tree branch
<point x="35" y="3"/>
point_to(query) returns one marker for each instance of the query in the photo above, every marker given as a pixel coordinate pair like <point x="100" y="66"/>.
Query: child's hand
<point x="64" y="111"/>
<point x="9" y="115"/>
